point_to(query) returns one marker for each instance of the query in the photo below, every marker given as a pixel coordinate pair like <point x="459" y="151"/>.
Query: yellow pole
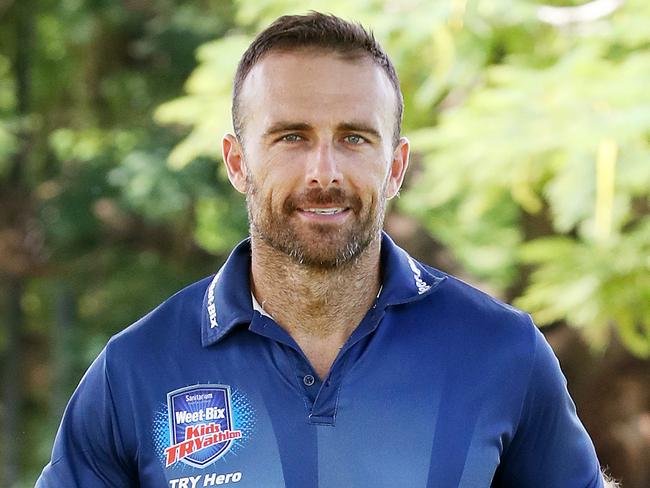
<point x="605" y="183"/>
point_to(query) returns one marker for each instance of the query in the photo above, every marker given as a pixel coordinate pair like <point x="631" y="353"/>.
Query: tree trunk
<point x="61" y="353"/>
<point x="12" y="393"/>
<point x="16" y="281"/>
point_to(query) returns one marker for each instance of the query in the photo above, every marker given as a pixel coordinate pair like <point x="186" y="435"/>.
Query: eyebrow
<point x="359" y="127"/>
<point x="287" y="126"/>
<point x="284" y="126"/>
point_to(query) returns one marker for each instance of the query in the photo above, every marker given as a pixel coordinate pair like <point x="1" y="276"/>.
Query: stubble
<point x="318" y="246"/>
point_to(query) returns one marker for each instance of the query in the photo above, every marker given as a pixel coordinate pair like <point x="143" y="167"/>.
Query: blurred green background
<point x="530" y="178"/>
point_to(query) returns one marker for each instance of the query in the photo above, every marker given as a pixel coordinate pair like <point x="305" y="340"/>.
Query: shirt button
<point x="308" y="380"/>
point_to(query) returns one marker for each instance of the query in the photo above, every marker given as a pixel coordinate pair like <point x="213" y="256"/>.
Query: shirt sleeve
<point x="550" y="448"/>
<point x="88" y="450"/>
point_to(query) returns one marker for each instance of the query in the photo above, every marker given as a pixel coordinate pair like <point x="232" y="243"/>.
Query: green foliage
<point x="593" y="286"/>
<point x="559" y="141"/>
<point x="88" y="203"/>
<point x="7" y="136"/>
<point x="207" y="106"/>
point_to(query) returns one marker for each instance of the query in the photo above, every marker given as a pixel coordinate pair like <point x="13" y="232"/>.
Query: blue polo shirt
<point x="439" y="386"/>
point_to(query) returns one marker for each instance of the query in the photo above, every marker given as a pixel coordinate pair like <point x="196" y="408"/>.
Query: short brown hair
<point x="315" y="30"/>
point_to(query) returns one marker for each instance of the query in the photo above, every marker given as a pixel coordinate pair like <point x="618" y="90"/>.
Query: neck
<point x="315" y="302"/>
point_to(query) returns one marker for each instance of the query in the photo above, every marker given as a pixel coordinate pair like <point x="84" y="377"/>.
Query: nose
<point x="322" y="168"/>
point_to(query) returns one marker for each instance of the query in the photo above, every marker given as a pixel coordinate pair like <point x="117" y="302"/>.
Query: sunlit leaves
<point x="220" y="223"/>
<point x="563" y="133"/>
<point x="7" y="147"/>
<point x="593" y="286"/>
<point x="7" y="126"/>
<point x="207" y="106"/>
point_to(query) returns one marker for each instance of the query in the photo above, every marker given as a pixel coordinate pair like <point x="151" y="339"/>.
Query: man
<point x="321" y="354"/>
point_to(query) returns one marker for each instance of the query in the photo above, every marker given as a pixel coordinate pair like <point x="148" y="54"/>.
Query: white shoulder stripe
<point x="211" y="307"/>
<point x="417" y="276"/>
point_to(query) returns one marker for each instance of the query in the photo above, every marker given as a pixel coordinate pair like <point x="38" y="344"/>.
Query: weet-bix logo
<point x="201" y="428"/>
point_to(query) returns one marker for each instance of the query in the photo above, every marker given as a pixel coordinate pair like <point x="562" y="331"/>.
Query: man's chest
<point x="268" y="421"/>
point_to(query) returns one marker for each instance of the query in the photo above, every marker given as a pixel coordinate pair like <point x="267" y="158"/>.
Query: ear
<point x="398" y="167"/>
<point x="233" y="157"/>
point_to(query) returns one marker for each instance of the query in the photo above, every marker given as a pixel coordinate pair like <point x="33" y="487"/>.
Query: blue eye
<point x="291" y="138"/>
<point x="355" y="139"/>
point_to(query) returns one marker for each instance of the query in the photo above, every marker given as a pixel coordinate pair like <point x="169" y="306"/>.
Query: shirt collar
<point x="228" y="300"/>
<point x="404" y="278"/>
<point x="257" y="307"/>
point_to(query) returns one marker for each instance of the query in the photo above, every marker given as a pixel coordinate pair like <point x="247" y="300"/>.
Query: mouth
<point x="323" y="207"/>
<point x="324" y="211"/>
<point x="323" y="215"/>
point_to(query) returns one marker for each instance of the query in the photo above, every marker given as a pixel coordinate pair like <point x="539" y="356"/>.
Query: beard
<point x="320" y="246"/>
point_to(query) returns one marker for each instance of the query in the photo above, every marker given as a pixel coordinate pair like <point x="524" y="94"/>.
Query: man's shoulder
<point x="457" y="290"/>
<point x="470" y="310"/>
<point x="170" y="322"/>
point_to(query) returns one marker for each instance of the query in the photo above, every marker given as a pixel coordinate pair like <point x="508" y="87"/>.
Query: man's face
<point x="317" y="163"/>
